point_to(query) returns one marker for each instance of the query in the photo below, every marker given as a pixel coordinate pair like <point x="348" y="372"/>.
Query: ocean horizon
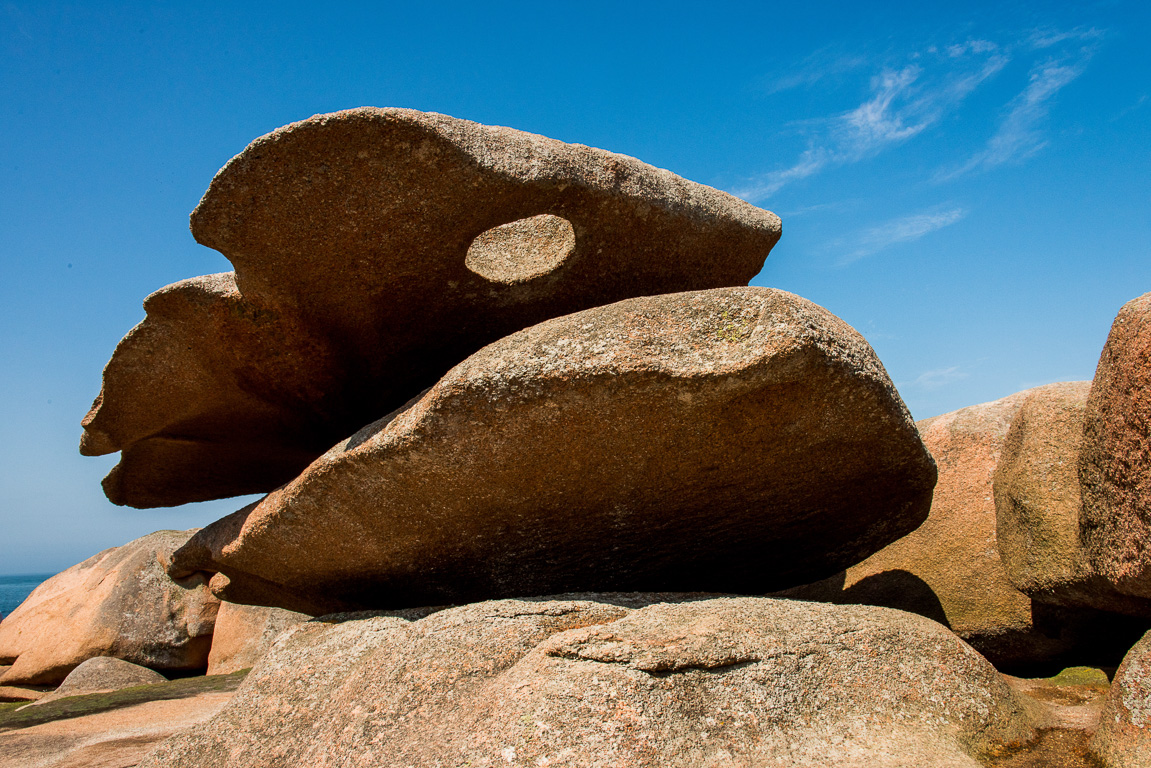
<point x="14" y="589"/>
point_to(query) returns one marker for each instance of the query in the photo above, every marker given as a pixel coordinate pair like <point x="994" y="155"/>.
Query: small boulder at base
<point x="244" y="633"/>
<point x="118" y="603"/>
<point x="1124" y="736"/>
<point x="949" y="569"/>
<point x="373" y="250"/>
<point x="1038" y="507"/>
<point x="101" y="674"/>
<point x="1115" y="458"/>
<point x="734" y="440"/>
<point x="747" y="681"/>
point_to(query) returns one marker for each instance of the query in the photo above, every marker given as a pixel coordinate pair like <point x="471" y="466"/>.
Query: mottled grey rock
<point x="373" y="250"/>
<point x="103" y="673"/>
<point x="734" y="440"/>
<point x="739" y="682"/>
<point x="118" y="603"/>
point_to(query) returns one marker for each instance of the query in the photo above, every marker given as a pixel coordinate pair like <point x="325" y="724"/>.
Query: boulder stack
<point x="374" y="249"/>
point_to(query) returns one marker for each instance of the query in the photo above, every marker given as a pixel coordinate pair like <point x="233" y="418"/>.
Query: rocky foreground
<point x="548" y="485"/>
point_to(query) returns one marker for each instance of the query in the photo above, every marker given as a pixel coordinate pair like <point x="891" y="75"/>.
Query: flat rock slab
<point x="118" y="603"/>
<point x="949" y="569"/>
<point x="109" y="739"/>
<point x="1115" y="459"/>
<point x="742" y="682"/>
<point x="734" y="440"/>
<point x="374" y="249"/>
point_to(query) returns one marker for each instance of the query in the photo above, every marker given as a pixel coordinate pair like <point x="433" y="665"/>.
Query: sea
<point x="13" y="589"/>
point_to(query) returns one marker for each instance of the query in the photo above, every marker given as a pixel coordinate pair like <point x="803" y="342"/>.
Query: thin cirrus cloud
<point x="903" y="102"/>
<point x="936" y="378"/>
<point x="1019" y="135"/>
<point x="902" y="230"/>
<point x="906" y="101"/>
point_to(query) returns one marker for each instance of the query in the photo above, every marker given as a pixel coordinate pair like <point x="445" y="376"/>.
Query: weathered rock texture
<point x="1115" y="459"/>
<point x="949" y="569"/>
<point x="1038" y="504"/>
<point x="104" y="673"/>
<point x="373" y="250"/>
<point x="734" y="440"/>
<point x="244" y="633"/>
<point x="118" y="603"/>
<point x="740" y="682"/>
<point x="1124" y="736"/>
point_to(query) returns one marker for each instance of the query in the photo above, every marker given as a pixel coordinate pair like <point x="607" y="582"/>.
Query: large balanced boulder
<point x="742" y="682"/>
<point x="244" y="633"/>
<point x="949" y="569"/>
<point x="1039" y="508"/>
<point x="118" y="603"/>
<point x="373" y="250"/>
<point x="733" y="440"/>
<point x="1124" y="736"/>
<point x="1115" y="458"/>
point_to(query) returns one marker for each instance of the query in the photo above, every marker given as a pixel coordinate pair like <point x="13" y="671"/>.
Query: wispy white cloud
<point x="901" y="230"/>
<point x="907" y="100"/>
<point x="819" y="65"/>
<point x="936" y="378"/>
<point x="1020" y="133"/>
<point x="902" y="103"/>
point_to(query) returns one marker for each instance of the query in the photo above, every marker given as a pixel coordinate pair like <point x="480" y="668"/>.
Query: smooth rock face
<point x="949" y="569"/>
<point x="373" y="250"/>
<point x="740" y="682"/>
<point x="734" y="440"/>
<point x="1115" y="459"/>
<point x="1124" y="736"/>
<point x="118" y="603"/>
<point x="1038" y="504"/>
<point x="244" y="633"/>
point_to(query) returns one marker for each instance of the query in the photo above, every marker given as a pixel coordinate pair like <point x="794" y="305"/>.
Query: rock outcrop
<point x="244" y="633"/>
<point x="1039" y="509"/>
<point x="749" y="681"/>
<point x="734" y="440"/>
<point x="1115" y="458"/>
<point x="949" y="569"/>
<point x="1124" y="736"/>
<point x="373" y="250"/>
<point x="118" y="603"/>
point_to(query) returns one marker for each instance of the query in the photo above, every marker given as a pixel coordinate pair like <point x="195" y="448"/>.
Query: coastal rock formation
<point x="373" y="250"/>
<point x="1115" y="459"/>
<point x="949" y="569"/>
<point x="1124" y="736"/>
<point x="733" y="440"/>
<point x="118" y="603"/>
<point x="244" y="633"/>
<point x="1039" y="508"/>
<point x="749" y="681"/>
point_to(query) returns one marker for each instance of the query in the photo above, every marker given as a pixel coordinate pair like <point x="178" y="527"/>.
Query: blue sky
<point x="968" y="187"/>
